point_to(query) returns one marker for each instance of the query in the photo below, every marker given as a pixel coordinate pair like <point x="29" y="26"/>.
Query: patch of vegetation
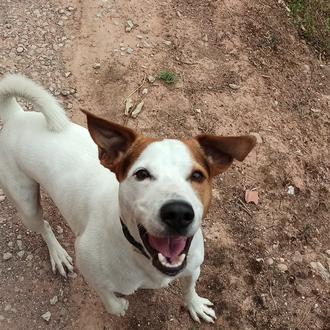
<point x="168" y="77"/>
<point x="313" y="19"/>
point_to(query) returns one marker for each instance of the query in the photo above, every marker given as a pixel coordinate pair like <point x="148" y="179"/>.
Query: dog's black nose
<point x="177" y="215"/>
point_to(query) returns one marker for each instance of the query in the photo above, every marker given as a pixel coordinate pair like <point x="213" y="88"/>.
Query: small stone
<point x="21" y="253"/>
<point x="291" y="191"/>
<point x="151" y="79"/>
<point x="282" y="267"/>
<point x="146" y="44"/>
<point x="67" y="74"/>
<point x="29" y="257"/>
<point x="269" y="261"/>
<point x="145" y="91"/>
<point x="168" y="42"/>
<point x="46" y="316"/>
<point x="60" y="23"/>
<point x="7" y="255"/>
<point x="96" y="65"/>
<point x="19" y="236"/>
<point x="70" y="8"/>
<point x="20" y="49"/>
<point x="7" y="307"/>
<point x="257" y="136"/>
<point x="19" y="244"/>
<point x="59" y="229"/>
<point x="198" y="110"/>
<point x="139" y="36"/>
<point x="10" y="244"/>
<point x="297" y="257"/>
<point x="205" y="38"/>
<point x="281" y="260"/>
<point x="2" y="198"/>
<point x="129" y="50"/>
<point x="234" y="86"/>
<point x="53" y="300"/>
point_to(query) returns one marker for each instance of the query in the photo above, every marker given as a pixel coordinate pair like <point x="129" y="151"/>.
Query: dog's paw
<point x="200" y="307"/>
<point x="60" y="260"/>
<point x="117" y="306"/>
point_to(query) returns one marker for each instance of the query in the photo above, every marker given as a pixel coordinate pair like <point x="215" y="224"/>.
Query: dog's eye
<point x="142" y="174"/>
<point x="197" y="176"/>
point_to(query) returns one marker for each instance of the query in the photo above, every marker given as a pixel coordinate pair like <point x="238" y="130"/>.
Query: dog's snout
<point x="177" y="215"/>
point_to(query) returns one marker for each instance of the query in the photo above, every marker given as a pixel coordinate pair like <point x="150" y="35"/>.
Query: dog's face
<point x="165" y="185"/>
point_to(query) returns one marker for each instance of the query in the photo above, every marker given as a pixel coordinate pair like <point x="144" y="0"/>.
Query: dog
<point x="134" y="203"/>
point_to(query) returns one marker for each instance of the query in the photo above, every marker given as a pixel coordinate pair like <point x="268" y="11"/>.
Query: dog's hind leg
<point x="25" y="193"/>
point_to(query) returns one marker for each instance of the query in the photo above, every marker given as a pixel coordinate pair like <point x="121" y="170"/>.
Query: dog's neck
<point x="132" y="240"/>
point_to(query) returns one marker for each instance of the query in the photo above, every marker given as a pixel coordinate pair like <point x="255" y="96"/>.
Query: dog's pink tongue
<point x="169" y="247"/>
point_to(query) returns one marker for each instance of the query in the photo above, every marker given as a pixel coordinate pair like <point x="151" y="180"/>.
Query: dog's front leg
<point x="197" y="306"/>
<point x="113" y="304"/>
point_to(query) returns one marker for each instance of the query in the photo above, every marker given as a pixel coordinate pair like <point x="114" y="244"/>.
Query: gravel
<point x="7" y="255"/>
<point x="46" y="316"/>
<point x="282" y="267"/>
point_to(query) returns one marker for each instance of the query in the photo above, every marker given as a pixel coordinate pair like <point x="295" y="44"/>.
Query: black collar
<point x="132" y="240"/>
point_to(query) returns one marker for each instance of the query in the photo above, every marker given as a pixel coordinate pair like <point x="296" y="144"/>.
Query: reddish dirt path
<point x="283" y="96"/>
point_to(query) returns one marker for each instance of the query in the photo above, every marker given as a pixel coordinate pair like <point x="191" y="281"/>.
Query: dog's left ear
<point x="112" y="139"/>
<point x="220" y="151"/>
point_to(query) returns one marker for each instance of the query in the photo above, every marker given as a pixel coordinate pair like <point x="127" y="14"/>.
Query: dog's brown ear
<point x="222" y="150"/>
<point x="112" y="139"/>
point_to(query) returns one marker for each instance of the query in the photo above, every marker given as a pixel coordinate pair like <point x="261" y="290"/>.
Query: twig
<point x="135" y="90"/>
<point x="304" y="316"/>
<point x="271" y="294"/>
<point x="244" y="207"/>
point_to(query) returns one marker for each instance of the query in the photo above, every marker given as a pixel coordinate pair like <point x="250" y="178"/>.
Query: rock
<point x="282" y="267"/>
<point x="291" y="191"/>
<point x="46" y="316"/>
<point x="20" y="49"/>
<point x="19" y="236"/>
<point x="67" y="74"/>
<point x="198" y="110"/>
<point x="96" y="65"/>
<point x="269" y="261"/>
<point x="321" y="270"/>
<point x="129" y="50"/>
<point x="167" y="42"/>
<point x="19" y="244"/>
<point x="21" y="253"/>
<point x="281" y="260"/>
<point x="130" y="26"/>
<point x="7" y="255"/>
<point x="151" y="79"/>
<point x="53" y="300"/>
<point x="139" y="36"/>
<point x="59" y="229"/>
<point x="10" y="244"/>
<point x="2" y="198"/>
<point x="29" y="257"/>
<point x="205" y="38"/>
<point x="234" y="86"/>
<point x="297" y="257"/>
<point x="257" y="136"/>
<point x="137" y="110"/>
<point x="145" y="91"/>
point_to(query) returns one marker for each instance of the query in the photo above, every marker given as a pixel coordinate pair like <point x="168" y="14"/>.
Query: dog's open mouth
<point x="169" y="253"/>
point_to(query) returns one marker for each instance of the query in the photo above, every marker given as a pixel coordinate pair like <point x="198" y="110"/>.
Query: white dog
<point x="136" y="216"/>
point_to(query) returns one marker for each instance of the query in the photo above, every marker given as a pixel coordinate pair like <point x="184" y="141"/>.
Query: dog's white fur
<point x="47" y="149"/>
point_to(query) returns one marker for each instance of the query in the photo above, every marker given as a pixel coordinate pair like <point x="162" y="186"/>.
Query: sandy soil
<point x="257" y="267"/>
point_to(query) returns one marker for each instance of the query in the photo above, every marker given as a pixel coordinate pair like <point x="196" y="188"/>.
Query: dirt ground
<point x="257" y="268"/>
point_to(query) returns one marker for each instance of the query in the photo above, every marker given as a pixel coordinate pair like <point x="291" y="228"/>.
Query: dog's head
<point x="165" y="184"/>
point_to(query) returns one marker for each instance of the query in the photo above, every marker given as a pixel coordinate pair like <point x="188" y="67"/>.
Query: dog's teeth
<point x="179" y="260"/>
<point x="162" y="259"/>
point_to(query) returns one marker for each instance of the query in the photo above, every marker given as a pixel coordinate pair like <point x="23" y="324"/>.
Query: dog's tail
<point x="15" y="85"/>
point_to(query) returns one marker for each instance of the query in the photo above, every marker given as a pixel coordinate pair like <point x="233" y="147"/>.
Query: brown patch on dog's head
<point x="213" y="155"/>
<point x="119" y="146"/>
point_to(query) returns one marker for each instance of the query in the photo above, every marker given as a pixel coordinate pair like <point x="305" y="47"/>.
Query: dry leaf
<point x="251" y="196"/>
<point x="128" y="106"/>
<point x="137" y="110"/>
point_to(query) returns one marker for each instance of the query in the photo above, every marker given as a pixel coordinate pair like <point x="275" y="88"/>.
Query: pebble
<point x="291" y="191"/>
<point x="234" y="86"/>
<point x="2" y="198"/>
<point x="21" y="253"/>
<point x="139" y="36"/>
<point x="145" y="91"/>
<point x="151" y="79"/>
<point x="96" y="65"/>
<point x="59" y="229"/>
<point x="67" y="74"/>
<point x="7" y="256"/>
<point x="205" y="38"/>
<point x="20" y="49"/>
<point x="29" y="257"/>
<point x="53" y="300"/>
<point x="281" y="260"/>
<point x="257" y="136"/>
<point x="46" y="316"/>
<point x="168" y="42"/>
<point x="7" y="307"/>
<point x="10" y="244"/>
<point x="297" y="257"/>
<point x="129" y="50"/>
<point x="19" y="244"/>
<point x="282" y="267"/>
<point x="269" y="261"/>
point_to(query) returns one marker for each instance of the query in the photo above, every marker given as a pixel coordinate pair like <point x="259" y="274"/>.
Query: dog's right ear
<point x="112" y="139"/>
